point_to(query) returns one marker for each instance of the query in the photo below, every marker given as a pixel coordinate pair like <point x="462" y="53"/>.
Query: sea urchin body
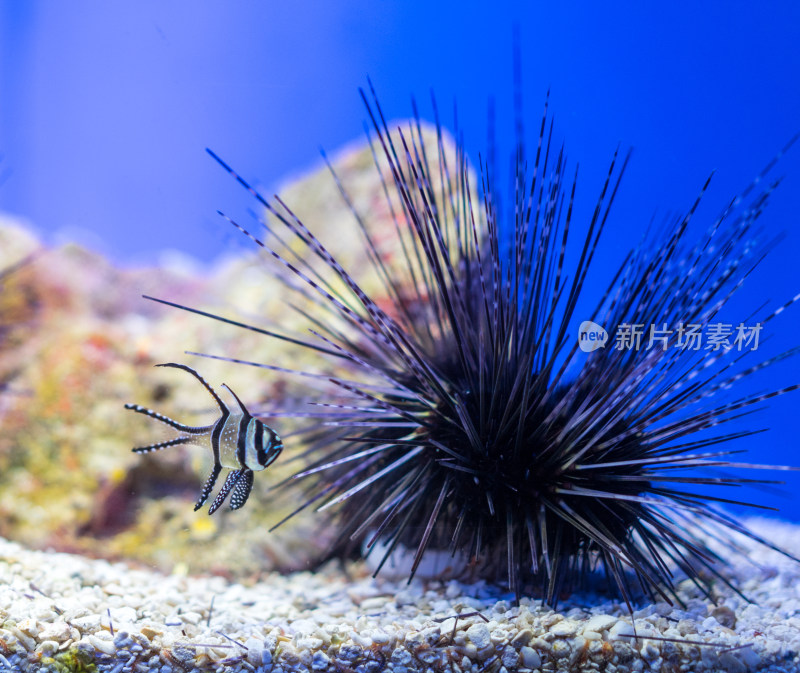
<point x="469" y="419"/>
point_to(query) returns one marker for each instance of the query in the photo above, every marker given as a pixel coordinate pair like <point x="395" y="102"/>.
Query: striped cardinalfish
<point x="239" y="442"/>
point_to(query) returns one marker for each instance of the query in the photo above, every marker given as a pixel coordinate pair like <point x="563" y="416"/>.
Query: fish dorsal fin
<point x="236" y="397"/>
<point x="223" y="407"/>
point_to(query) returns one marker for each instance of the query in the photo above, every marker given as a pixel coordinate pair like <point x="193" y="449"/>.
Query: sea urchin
<point x="470" y="420"/>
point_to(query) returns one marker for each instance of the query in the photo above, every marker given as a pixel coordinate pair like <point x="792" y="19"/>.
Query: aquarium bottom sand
<point x="65" y="613"/>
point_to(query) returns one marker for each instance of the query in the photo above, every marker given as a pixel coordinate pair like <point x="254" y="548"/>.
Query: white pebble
<point x="479" y="635"/>
<point x="564" y="628"/>
<point x="29" y="626"/>
<point x="101" y="644"/>
<point x="750" y="658"/>
<point x="730" y="663"/>
<point x="374" y="603"/>
<point x="379" y="637"/>
<point x="320" y="661"/>
<point x="621" y="631"/>
<point x="58" y="631"/>
<point x="599" y="623"/>
<point x="510" y="658"/>
<point x="27" y="642"/>
<point x="89" y="623"/>
<point x="47" y="648"/>
<point x="447" y="626"/>
<point x="530" y="657"/>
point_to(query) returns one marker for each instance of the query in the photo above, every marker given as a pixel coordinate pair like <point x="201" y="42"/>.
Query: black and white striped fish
<point x="238" y="441"/>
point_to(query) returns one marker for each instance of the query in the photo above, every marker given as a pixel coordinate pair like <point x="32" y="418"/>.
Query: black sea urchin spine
<point x="470" y="421"/>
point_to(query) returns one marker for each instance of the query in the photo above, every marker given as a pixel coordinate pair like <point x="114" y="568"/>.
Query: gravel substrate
<point x="65" y="613"/>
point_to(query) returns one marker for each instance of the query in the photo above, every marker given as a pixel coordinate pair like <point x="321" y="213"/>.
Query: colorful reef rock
<point x="84" y="342"/>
